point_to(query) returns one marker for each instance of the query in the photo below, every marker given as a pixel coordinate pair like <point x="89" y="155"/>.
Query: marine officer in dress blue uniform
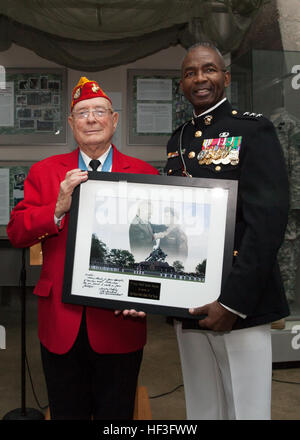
<point x="226" y="357"/>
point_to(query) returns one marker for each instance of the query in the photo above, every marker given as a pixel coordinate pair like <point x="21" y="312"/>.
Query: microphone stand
<point x="23" y="413"/>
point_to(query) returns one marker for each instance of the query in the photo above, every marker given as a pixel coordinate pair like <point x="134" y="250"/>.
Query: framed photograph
<point x="153" y="243"/>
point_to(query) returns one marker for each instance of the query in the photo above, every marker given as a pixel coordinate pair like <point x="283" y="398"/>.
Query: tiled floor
<point x="160" y="371"/>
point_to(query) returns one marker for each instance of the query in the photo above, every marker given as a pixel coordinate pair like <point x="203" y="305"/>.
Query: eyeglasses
<point x="97" y="113"/>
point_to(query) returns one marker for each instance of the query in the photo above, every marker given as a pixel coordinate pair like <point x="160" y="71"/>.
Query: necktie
<point x="94" y="164"/>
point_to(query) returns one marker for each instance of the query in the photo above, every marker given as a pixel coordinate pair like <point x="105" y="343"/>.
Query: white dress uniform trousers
<point x="226" y="375"/>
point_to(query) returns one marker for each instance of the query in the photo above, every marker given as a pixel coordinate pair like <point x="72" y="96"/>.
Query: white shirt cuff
<point x="57" y="220"/>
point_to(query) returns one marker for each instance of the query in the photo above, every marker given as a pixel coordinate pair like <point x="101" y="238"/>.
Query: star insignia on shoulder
<point x="246" y="115"/>
<point x="255" y="115"/>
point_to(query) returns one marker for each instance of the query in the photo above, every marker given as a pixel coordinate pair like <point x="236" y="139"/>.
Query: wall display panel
<point x="33" y="107"/>
<point x="12" y="177"/>
<point x="156" y="106"/>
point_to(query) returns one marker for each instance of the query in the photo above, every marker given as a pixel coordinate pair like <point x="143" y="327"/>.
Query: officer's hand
<point x="218" y="318"/>
<point x="64" y="199"/>
<point x="132" y="313"/>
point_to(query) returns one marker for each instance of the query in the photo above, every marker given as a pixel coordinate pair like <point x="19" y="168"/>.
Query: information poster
<point x="154" y="118"/>
<point x="7" y="105"/>
<point x="160" y="106"/>
<point x="11" y="189"/>
<point x="4" y="196"/>
<point x="154" y="89"/>
<point x="156" y="106"/>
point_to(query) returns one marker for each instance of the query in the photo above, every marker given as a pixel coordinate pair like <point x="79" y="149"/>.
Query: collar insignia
<point x="208" y="119"/>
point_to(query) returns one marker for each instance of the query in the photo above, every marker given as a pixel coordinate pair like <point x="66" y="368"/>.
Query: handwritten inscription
<point x="105" y="286"/>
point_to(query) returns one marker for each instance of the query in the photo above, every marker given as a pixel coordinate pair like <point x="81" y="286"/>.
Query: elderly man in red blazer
<point x="91" y="356"/>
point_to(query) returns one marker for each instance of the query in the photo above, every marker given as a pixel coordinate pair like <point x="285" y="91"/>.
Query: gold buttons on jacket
<point x="43" y="236"/>
<point x="198" y="134"/>
<point x="218" y="168"/>
<point x="191" y="154"/>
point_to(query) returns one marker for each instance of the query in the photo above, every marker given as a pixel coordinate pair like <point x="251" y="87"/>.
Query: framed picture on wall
<point x="153" y="243"/>
<point x="33" y="107"/>
<point x="12" y="177"/>
<point x="156" y="106"/>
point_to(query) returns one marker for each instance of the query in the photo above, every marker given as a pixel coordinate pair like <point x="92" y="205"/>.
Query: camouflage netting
<point x="94" y="35"/>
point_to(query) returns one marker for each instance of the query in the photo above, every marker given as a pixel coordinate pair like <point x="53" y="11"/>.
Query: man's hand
<point x="64" y="199"/>
<point x="218" y="318"/>
<point x="132" y="313"/>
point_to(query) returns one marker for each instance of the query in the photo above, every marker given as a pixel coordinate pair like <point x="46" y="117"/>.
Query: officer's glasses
<point x="98" y="113"/>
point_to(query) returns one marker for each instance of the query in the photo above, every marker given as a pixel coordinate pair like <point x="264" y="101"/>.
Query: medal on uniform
<point x="223" y="150"/>
<point x="208" y="159"/>
<point x="233" y="155"/>
<point x="224" y="155"/>
<point x="210" y="154"/>
<point x="217" y="156"/>
<point x="201" y="155"/>
<point x="225" y="160"/>
<point x="227" y="147"/>
<point x="218" y="150"/>
<point x="204" y="152"/>
<point x="235" y="150"/>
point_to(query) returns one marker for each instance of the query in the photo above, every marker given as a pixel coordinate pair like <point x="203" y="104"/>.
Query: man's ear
<point x="70" y="121"/>
<point x="115" y="119"/>
<point x="227" y="78"/>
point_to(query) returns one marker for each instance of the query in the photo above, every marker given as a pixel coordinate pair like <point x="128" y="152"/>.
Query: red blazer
<point x="32" y="221"/>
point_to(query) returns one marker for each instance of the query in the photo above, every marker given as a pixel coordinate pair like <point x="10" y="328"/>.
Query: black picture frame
<point x="200" y="213"/>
